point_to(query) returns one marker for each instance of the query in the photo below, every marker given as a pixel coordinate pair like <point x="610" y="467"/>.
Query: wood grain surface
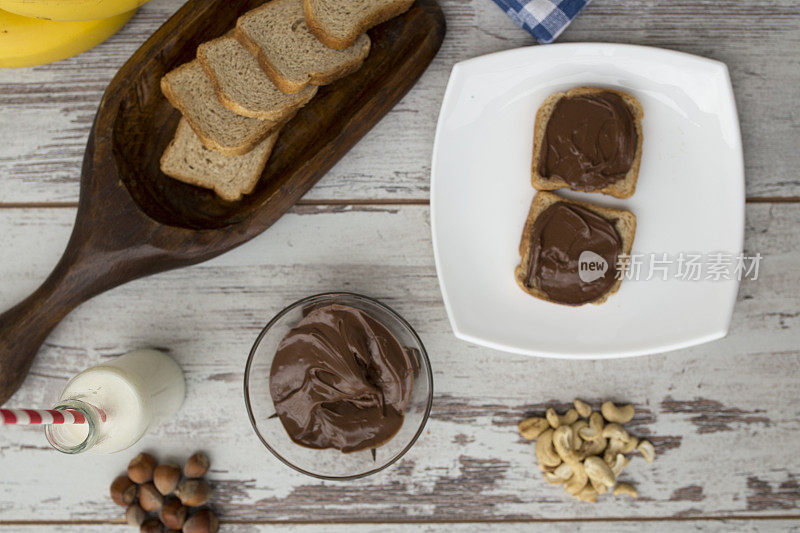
<point x="52" y="107"/>
<point x="724" y="416"/>
<point x="133" y="220"/>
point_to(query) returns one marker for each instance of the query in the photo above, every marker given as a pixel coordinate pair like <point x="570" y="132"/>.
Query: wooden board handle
<point x="24" y="327"/>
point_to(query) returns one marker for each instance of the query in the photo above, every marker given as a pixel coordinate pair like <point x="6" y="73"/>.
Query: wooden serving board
<point x="133" y="220"/>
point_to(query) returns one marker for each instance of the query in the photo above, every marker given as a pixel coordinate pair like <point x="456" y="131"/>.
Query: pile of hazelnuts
<point x="162" y="489"/>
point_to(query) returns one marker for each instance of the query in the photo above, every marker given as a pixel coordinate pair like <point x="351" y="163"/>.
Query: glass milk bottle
<point x="120" y="398"/>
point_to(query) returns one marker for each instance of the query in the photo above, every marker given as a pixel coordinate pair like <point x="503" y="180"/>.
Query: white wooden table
<point x="724" y="416"/>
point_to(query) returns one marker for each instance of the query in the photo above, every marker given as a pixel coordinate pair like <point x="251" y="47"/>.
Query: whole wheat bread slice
<point x="242" y="86"/>
<point x="189" y="89"/>
<point x="338" y="23"/>
<point x="624" y="222"/>
<point x="623" y="188"/>
<point x="186" y="159"/>
<point x="276" y="33"/>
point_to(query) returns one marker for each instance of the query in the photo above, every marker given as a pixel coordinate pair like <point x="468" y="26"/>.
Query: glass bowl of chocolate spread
<point x="338" y="386"/>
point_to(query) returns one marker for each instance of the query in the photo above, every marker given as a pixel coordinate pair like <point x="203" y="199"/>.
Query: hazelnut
<point x="194" y="492"/>
<point x="197" y="465"/>
<point x="141" y="468"/>
<point x="123" y="491"/>
<point x="149" y="497"/>
<point x="203" y="521"/>
<point x="151" y="525"/>
<point x="166" y="478"/>
<point x="173" y="514"/>
<point x="135" y="515"/>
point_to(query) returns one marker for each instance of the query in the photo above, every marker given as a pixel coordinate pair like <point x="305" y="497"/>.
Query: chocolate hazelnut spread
<point x="590" y="141"/>
<point x="341" y="380"/>
<point x="561" y="234"/>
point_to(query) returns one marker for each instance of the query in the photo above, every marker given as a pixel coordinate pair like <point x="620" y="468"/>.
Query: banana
<point x="26" y="42"/>
<point x="70" y="10"/>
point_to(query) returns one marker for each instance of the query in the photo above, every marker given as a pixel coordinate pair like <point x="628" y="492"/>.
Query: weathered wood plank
<point x="46" y="112"/>
<point x="742" y="526"/>
<point x="724" y="416"/>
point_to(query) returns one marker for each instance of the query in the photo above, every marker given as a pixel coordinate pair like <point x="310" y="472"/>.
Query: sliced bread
<point x="189" y="89"/>
<point x="276" y="33"/>
<point x="242" y="86"/>
<point x="622" y="188"/>
<point x="186" y="159"/>
<point x="338" y="23"/>
<point x="624" y="222"/>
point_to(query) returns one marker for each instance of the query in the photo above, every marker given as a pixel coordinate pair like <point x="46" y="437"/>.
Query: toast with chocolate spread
<point x="588" y="139"/>
<point x="595" y="240"/>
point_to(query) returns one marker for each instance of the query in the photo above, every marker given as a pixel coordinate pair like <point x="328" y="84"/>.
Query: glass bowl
<point x="331" y="463"/>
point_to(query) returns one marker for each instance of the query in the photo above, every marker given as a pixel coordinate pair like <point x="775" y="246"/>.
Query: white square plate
<point x="689" y="198"/>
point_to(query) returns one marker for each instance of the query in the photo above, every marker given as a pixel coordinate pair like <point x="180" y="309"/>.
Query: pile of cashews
<point x="584" y="450"/>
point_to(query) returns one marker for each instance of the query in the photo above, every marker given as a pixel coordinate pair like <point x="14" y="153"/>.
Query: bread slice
<point x="276" y="33"/>
<point x="625" y="224"/>
<point x="338" y="23"/>
<point x="623" y="188"/>
<point x="186" y="159"/>
<point x="189" y="89"/>
<point x="242" y="86"/>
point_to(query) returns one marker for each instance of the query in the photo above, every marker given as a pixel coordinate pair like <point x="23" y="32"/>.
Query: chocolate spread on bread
<point x="559" y="237"/>
<point x="590" y="141"/>
<point x="341" y="380"/>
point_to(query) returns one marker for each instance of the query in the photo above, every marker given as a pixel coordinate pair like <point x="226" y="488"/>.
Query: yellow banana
<point x="70" y="9"/>
<point x="26" y="42"/>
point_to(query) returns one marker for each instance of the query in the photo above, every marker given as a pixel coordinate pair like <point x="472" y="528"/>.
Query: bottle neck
<point x="74" y="438"/>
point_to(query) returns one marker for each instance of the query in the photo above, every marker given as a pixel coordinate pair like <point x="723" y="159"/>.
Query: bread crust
<point x="279" y="114"/>
<point x="625" y="224"/>
<point x="317" y="27"/>
<point x="623" y="188"/>
<point x="219" y="191"/>
<point x="268" y="128"/>
<point x="288" y="85"/>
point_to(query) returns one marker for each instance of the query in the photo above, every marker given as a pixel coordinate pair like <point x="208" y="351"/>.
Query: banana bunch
<point x="35" y="32"/>
<point x="70" y="10"/>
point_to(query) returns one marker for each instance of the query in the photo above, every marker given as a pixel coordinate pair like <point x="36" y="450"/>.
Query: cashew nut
<point x="627" y="489"/>
<point x="631" y="445"/>
<point x="531" y="428"/>
<point x="584" y="450"/>
<point x="615" y="447"/>
<point x="647" y="450"/>
<point x="596" y="422"/>
<point x="587" y="494"/>
<point x="593" y="447"/>
<point x="588" y="433"/>
<point x="618" y="464"/>
<point x="556" y="420"/>
<point x="594" y="442"/>
<point x="619" y="414"/>
<point x="560" y="475"/>
<point x="578" y="480"/>
<point x="564" y="444"/>
<point x="599" y="487"/>
<point x="544" y="449"/>
<point x="583" y="408"/>
<point x="614" y="431"/>
<point x="577" y="442"/>
<point x="598" y="471"/>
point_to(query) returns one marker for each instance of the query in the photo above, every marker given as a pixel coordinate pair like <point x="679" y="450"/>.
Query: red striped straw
<point x="40" y="416"/>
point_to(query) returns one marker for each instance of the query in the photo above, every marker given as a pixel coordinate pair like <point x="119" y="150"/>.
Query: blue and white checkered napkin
<point x="544" y="19"/>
